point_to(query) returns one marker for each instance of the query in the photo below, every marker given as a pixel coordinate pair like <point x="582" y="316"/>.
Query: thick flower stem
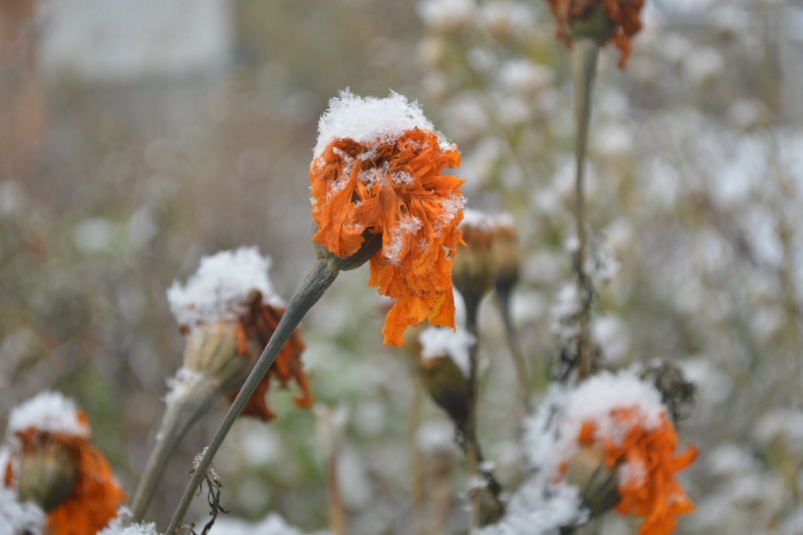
<point x="321" y="276"/>
<point x="181" y="413"/>
<point x="584" y="64"/>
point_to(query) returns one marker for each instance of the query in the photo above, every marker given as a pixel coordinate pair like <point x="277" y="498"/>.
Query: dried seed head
<point x="47" y="474"/>
<point x="596" y="482"/>
<point x="211" y="351"/>
<point x="447" y="385"/>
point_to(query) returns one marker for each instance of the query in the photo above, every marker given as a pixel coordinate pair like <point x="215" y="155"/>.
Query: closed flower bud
<point x="211" y="351"/>
<point x="446" y="385"/>
<point x="596" y="483"/>
<point x="46" y="474"/>
<point x="507" y="257"/>
<point x="474" y="269"/>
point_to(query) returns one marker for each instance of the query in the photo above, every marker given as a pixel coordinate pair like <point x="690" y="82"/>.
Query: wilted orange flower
<point x="254" y="328"/>
<point x="647" y="486"/>
<point x="623" y="16"/>
<point x="394" y="187"/>
<point x="95" y="493"/>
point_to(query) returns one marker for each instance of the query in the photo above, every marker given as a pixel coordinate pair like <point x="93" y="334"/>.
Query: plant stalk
<point x="320" y="277"/>
<point x="584" y="64"/>
<point x="179" y="416"/>
<point x="503" y="294"/>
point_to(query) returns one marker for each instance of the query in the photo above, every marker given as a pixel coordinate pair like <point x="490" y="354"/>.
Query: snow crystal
<point x="217" y="290"/>
<point x="133" y="529"/>
<point x="450" y="207"/>
<point x="540" y="508"/>
<point x="407" y="225"/>
<point x="47" y="411"/>
<point x="180" y="384"/>
<point x="444" y="342"/>
<point x="273" y="524"/>
<point x="18" y="517"/>
<point x="371" y="120"/>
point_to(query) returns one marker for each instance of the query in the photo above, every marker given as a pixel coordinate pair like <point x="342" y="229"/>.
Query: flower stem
<point x="180" y="415"/>
<point x="469" y="430"/>
<point x="584" y="64"/>
<point x="321" y="276"/>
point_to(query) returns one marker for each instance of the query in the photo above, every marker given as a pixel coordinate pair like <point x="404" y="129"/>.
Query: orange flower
<point x="254" y="329"/>
<point x="647" y="484"/>
<point x="622" y="16"/>
<point x="392" y="185"/>
<point x="95" y="494"/>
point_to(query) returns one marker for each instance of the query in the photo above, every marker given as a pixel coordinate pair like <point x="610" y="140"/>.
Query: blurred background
<point x="137" y="136"/>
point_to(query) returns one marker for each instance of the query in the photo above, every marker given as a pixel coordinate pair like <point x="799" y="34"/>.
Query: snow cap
<point x="219" y="288"/>
<point x="444" y="342"/>
<point x="370" y="120"/>
<point x="48" y="411"/>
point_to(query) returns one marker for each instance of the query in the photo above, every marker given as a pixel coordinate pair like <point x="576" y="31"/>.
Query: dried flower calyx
<point x="53" y="463"/>
<point x="601" y="20"/>
<point x="377" y="171"/>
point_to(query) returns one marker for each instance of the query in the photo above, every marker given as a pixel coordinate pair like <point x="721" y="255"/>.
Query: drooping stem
<point x="503" y="294"/>
<point x="321" y="276"/>
<point x="584" y="63"/>
<point x="181" y="413"/>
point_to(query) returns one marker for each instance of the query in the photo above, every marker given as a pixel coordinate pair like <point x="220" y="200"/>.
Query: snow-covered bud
<point x="46" y="474"/>
<point x="474" y="269"/>
<point x="595" y="482"/>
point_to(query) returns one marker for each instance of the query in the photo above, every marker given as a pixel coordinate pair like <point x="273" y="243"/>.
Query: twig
<point x="584" y="63"/>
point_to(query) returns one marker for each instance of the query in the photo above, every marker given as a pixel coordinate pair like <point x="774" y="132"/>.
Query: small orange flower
<point x="623" y="16"/>
<point x="254" y="329"/>
<point x="647" y="486"/>
<point x="392" y="185"/>
<point x="95" y="494"/>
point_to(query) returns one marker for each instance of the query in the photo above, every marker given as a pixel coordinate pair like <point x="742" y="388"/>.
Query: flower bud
<point x="211" y="351"/>
<point x="507" y="257"/>
<point x="595" y="481"/>
<point x="446" y="385"/>
<point x="474" y="269"/>
<point x="46" y="474"/>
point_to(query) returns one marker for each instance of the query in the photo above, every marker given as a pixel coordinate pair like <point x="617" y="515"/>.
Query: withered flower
<point x="377" y="171"/>
<point x="601" y="20"/>
<point x="53" y="464"/>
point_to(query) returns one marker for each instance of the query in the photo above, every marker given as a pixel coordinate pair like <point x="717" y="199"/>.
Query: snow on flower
<point x="220" y="287"/>
<point x="48" y="412"/>
<point x="50" y="419"/>
<point x="442" y="342"/>
<point x="377" y="170"/>
<point x="623" y="417"/>
<point x="18" y="517"/>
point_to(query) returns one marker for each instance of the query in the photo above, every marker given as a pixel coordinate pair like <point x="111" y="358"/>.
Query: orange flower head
<point x="624" y="418"/>
<point x="51" y="421"/>
<point x="604" y="20"/>
<point x="230" y="310"/>
<point x="377" y="170"/>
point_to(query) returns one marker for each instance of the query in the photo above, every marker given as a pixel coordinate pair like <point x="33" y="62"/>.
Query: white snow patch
<point x="180" y="384"/>
<point x="47" y="411"/>
<point x="273" y="524"/>
<point x="220" y="286"/>
<point x="408" y="225"/>
<point x="371" y="120"/>
<point x="444" y="342"/>
<point x="18" y="517"/>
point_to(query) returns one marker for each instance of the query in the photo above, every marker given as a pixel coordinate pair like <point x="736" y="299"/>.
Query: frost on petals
<point x="377" y="170"/>
<point x="623" y="417"/>
<point x="220" y="287"/>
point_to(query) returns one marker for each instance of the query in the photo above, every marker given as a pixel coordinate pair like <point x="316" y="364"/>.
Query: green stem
<point x="321" y="276"/>
<point x="584" y="63"/>
<point x="180" y="415"/>
<point x="503" y="294"/>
